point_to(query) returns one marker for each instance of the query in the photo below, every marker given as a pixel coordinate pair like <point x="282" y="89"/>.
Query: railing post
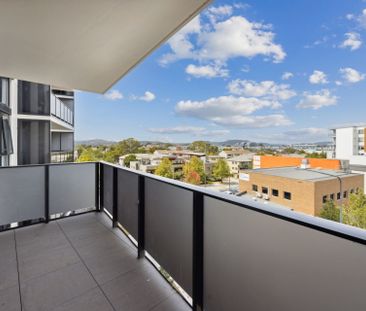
<point x="46" y="193"/>
<point x="115" y="197"/>
<point x="101" y="187"/>
<point x="97" y="187"/>
<point x="141" y="217"/>
<point x="197" y="251"/>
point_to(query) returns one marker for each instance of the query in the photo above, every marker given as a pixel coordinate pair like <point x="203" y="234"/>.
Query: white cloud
<point x="317" y="100"/>
<point x="207" y="71"/>
<point x="351" y="75"/>
<point x="267" y="89"/>
<point x="147" y="97"/>
<point x="350" y="16"/>
<point x="233" y="111"/>
<point x="215" y="13"/>
<point x="352" y="41"/>
<point x="220" y="41"/>
<point x="196" y="131"/>
<point x="318" y="77"/>
<point x="361" y="19"/>
<point x="287" y="75"/>
<point x="113" y="95"/>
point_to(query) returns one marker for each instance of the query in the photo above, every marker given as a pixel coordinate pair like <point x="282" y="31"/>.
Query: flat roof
<point x="293" y="172"/>
<point x="86" y="44"/>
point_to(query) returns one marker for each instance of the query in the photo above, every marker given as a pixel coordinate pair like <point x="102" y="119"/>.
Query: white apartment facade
<point x="36" y="123"/>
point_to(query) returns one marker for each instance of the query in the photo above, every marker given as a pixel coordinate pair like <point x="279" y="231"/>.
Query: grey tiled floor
<point x="78" y="263"/>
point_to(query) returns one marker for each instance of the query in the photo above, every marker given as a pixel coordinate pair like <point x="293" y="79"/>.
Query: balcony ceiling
<point x="85" y="44"/>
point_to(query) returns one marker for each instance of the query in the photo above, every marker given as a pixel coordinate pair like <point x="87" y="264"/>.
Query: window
<point x="331" y="197"/>
<point x="351" y="191"/>
<point x="325" y="198"/>
<point x="4" y="91"/>
<point x="255" y="188"/>
<point x="287" y="195"/>
<point x="33" y="98"/>
<point x="338" y="196"/>
<point x="275" y="192"/>
<point x="264" y="190"/>
<point x="6" y="143"/>
<point x="344" y="194"/>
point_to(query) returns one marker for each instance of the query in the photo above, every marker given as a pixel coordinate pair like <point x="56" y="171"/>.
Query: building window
<point x="344" y="194"/>
<point x="275" y="192"/>
<point x="325" y="198"/>
<point x="351" y="191"/>
<point x="255" y="188"/>
<point x="338" y="196"/>
<point x="264" y="190"/>
<point x="6" y="143"/>
<point x="331" y="197"/>
<point x="33" y="98"/>
<point x="287" y="195"/>
<point x="4" y="91"/>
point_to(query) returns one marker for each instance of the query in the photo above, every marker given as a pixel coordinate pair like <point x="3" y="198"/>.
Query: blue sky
<point x="265" y="71"/>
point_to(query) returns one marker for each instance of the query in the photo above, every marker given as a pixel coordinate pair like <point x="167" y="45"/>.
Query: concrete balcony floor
<point x="79" y="263"/>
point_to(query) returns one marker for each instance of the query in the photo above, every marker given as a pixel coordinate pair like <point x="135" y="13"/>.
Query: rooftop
<point x="303" y="174"/>
<point x="79" y="263"/>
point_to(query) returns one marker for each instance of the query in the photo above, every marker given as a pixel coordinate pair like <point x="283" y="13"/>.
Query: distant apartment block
<point x="300" y="189"/>
<point x="230" y="153"/>
<point x="266" y="161"/>
<point x="238" y="163"/>
<point x="36" y="123"/>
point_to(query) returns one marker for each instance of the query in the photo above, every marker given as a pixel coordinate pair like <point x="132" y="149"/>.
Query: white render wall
<point x="346" y="143"/>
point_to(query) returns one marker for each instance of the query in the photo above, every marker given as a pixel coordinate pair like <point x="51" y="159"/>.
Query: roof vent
<point x="305" y="164"/>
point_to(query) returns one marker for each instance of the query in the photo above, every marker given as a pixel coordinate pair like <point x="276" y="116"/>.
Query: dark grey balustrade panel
<point x="72" y="187"/>
<point x="108" y="188"/>
<point x="257" y="262"/>
<point x="168" y="229"/>
<point x="22" y="194"/>
<point x="128" y="201"/>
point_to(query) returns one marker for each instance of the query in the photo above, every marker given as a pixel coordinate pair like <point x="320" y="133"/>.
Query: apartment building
<point x="230" y="153"/>
<point x="267" y="161"/>
<point x="300" y="189"/>
<point x="238" y="163"/>
<point x="36" y="123"/>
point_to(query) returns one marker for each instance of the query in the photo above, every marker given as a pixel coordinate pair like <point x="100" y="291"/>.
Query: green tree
<point x="192" y="168"/>
<point x="221" y="169"/>
<point x="128" y="159"/>
<point x="316" y="155"/>
<point x="330" y="211"/>
<point x="354" y="212"/>
<point x="165" y="168"/>
<point x="204" y="147"/>
<point x="89" y="154"/>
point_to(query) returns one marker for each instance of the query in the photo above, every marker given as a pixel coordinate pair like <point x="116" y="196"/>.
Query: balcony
<point x="93" y="236"/>
<point x="61" y="111"/>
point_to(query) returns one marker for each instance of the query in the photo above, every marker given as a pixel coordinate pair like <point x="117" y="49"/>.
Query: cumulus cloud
<point x="318" y="77"/>
<point x="192" y="130"/>
<point x="113" y="95"/>
<point x="352" y="41"/>
<point x="207" y="71"/>
<point x="317" y="100"/>
<point x="233" y="111"/>
<point x="360" y="19"/>
<point x="267" y="89"/>
<point x="351" y="75"/>
<point x="222" y="40"/>
<point x="147" y="97"/>
<point x="215" y="13"/>
<point x="287" y="75"/>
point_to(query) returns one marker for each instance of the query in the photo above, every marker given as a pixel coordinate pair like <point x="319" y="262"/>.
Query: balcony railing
<point x="226" y="253"/>
<point x="61" y="111"/>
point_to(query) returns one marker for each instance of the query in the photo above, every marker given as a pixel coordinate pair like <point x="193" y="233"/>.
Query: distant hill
<point x="95" y="142"/>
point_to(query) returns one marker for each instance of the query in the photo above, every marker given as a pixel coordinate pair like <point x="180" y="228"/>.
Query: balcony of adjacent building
<point x="96" y="236"/>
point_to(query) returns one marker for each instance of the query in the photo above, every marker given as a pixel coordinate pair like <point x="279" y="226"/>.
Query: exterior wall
<point x="302" y="192"/>
<point x="332" y="186"/>
<point x="273" y="161"/>
<point x="306" y="196"/>
<point x="346" y="142"/>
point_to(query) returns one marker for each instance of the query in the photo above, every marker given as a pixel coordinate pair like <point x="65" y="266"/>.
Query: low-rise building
<point x="244" y="161"/>
<point x="301" y="189"/>
<point x="230" y="153"/>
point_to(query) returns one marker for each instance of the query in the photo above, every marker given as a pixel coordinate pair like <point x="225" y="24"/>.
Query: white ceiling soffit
<point x="85" y="44"/>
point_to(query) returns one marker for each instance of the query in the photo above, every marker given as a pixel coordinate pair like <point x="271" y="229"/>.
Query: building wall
<point x="302" y="192"/>
<point x="346" y="142"/>
<point x="332" y="186"/>
<point x="273" y="161"/>
<point x="306" y="196"/>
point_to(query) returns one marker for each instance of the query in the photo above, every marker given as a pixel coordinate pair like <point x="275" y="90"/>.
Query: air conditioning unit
<point x="266" y="197"/>
<point x="259" y="195"/>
